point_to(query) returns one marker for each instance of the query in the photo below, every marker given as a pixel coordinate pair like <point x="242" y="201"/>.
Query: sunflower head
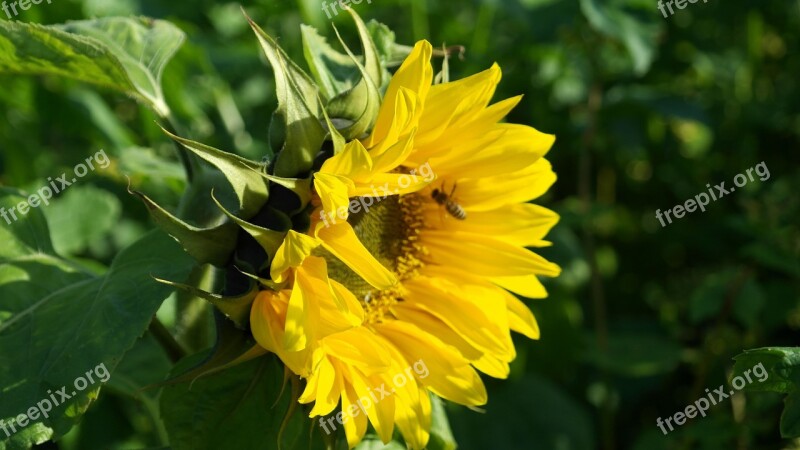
<point x="380" y="254"/>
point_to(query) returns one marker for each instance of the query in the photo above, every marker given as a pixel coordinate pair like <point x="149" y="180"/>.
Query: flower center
<point x="390" y="231"/>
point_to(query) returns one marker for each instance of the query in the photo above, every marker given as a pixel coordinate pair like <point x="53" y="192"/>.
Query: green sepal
<point x="206" y="245"/>
<point x="299" y="108"/>
<point x="245" y="176"/>
<point x="300" y="186"/>
<point x="334" y="72"/>
<point x="270" y="240"/>
<point x="269" y="284"/>
<point x="352" y="88"/>
<point x="390" y="52"/>
<point x="236" y="308"/>
<point x="231" y="348"/>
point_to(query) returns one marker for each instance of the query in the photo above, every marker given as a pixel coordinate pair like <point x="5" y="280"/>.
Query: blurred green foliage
<point x="647" y="112"/>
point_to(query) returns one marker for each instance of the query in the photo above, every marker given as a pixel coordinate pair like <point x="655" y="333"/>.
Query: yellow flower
<point x="420" y="272"/>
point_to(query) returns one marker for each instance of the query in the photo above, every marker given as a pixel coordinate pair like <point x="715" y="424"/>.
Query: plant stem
<point x="174" y="350"/>
<point x="173" y="127"/>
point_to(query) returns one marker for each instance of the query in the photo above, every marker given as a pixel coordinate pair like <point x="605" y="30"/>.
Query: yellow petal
<point x="355" y="425"/>
<point x="294" y="250"/>
<point x="342" y="242"/>
<point x="505" y="150"/>
<point x="484" y="255"/>
<point x="395" y="154"/>
<point x="379" y="408"/>
<point x="526" y="285"/>
<point x="482" y="194"/>
<point x="339" y="310"/>
<point x="334" y="193"/>
<point x="521" y="319"/>
<point x="328" y="383"/>
<point x="492" y="366"/>
<point x="522" y="224"/>
<point x="476" y="323"/>
<point x="353" y="162"/>
<point x="427" y="321"/>
<point x="359" y="348"/>
<point x="395" y="183"/>
<point x="448" y="104"/>
<point x="352" y="307"/>
<point x="416" y="75"/>
<point x="450" y="375"/>
<point x="263" y="320"/>
<point x="267" y="317"/>
<point x="302" y="317"/>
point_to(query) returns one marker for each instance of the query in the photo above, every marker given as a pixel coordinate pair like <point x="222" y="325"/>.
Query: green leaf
<point x="124" y="54"/>
<point x="144" y="162"/>
<point x="782" y="365"/>
<point x="299" y="109"/>
<point x="80" y="216"/>
<point x="142" y="45"/>
<point x="146" y="363"/>
<point x="243" y="407"/>
<point x="30" y="235"/>
<point x="774" y="369"/>
<point x="41" y="350"/>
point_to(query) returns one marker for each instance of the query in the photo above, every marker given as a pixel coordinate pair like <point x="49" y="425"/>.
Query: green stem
<point x="173" y="126"/>
<point x="174" y="350"/>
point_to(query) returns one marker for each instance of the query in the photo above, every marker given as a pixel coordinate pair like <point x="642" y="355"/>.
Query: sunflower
<point x="426" y="274"/>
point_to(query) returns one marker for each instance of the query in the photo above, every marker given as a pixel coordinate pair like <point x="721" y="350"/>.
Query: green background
<point x="646" y="110"/>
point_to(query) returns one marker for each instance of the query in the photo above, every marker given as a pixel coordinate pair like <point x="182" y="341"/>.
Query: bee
<point x="450" y="205"/>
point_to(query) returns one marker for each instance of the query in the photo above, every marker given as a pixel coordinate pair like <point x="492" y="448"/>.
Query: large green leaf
<point x="58" y="321"/>
<point x="243" y="407"/>
<point x="124" y="54"/>
<point x="80" y="216"/>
